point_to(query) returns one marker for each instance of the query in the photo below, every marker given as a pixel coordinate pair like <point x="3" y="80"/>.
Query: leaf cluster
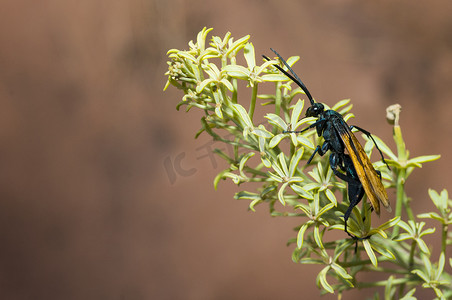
<point x="274" y="163"/>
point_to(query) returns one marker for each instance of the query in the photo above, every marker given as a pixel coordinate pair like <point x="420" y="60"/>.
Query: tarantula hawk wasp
<point x="359" y="172"/>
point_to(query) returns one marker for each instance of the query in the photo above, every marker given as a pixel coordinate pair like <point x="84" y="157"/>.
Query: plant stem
<point x="234" y="93"/>
<point x="402" y="157"/>
<point x="400" y="183"/>
<point x="410" y="265"/>
<point x="253" y="101"/>
<point x="444" y="238"/>
<point x="278" y="98"/>
<point x="382" y="283"/>
<point x="411" y="258"/>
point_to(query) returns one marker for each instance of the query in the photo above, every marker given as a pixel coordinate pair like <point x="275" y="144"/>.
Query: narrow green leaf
<point x="306" y="120"/>
<point x="305" y="141"/>
<point x="269" y="189"/>
<point x="201" y="37"/>
<point x="274" y="177"/>
<point x="295" y="160"/>
<point x="301" y="191"/>
<point x="409" y="295"/>
<point x="376" y="231"/>
<point x="277" y="121"/>
<point x="311" y="261"/>
<point x="219" y="177"/>
<point x="243" y="161"/>
<point x="296" y="111"/>
<point x="382" y="249"/>
<point x="168" y="83"/>
<point x="423" y="246"/>
<point x="300" y="235"/>
<point x="423" y="159"/>
<point x="292" y="60"/>
<point x="330" y="195"/>
<point x="383" y="147"/>
<point x="237" y="44"/>
<point x="274" y="77"/>
<point x="264" y="158"/>
<point x="329" y="174"/>
<point x="441" y="262"/>
<point x="405" y="227"/>
<point x="321" y="280"/>
<point x="342" y="246"/>
<point x="432" y="215"/>
<point x="444" y="199"/>
<point x="427" y="231"/>
<point x="438" y="292"/>
<point x="340" y="104"/>
<point x="306" y="209"/>
<point x="311" y="186"/>
<point x="249" y="55"/>
<point x="262" y="132"/>
<point x="394" y="221"/>
<point x="345" y="110"/>
<point x="348" y="117"/>
<point x="341" y="271"/>
<point x="246" y="195"/>
<point x="227" y="84"/>
<point x="370" y="252"/>
<point x="218" y="112"/>
<point x="188" y="56"/>
<point x="413" y="165"/>
<point x="318" y="236"/>
<point x="243" y="115"/>
<point x="421" y="274"/>
<point x="403" y="237"/>
<point x="368" y="147"/>
<point x="235" y="178"/>
<point x="283" y="164"/>
<point x="428" y="266"/>
<point x="262" y="143"/>
<point x="320" y="171"/>
<point x="325" y="209"/>
<point x="275" y="140"/>
<point x="281" y="193"/>
<point x="434" y="196"/>
<point x="264" y="66"/>
<point x="200" y="87"/>
<point x="212" y="70"/>
<point x="254" y="203"/>
<point x="315" y="175"/>
<point x="236" y="71"/>
<point x="293" y="138"/>
<point x="172" y="51"/>
<point x="389" y="289"/>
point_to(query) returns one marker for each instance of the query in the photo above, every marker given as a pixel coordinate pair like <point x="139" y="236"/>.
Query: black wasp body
<point x="357" y="170"/>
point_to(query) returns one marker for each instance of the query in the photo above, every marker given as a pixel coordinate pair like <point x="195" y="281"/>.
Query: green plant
<point x="208" y="74"/>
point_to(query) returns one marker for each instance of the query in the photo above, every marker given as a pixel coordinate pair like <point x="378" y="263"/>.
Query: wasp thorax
<point x="315" y="110"/>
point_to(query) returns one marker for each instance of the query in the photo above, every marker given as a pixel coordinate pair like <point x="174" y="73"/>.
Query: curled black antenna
<point x="292" y="76"/>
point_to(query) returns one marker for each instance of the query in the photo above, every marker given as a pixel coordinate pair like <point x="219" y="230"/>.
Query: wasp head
<point x="315" y="110"/>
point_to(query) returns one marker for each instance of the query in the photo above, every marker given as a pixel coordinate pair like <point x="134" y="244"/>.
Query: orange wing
<point x="369" y="178"/>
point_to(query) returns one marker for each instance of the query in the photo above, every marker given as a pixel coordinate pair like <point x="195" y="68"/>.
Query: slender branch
<point x="444" y="230"/>
<point x="253" y="101"/>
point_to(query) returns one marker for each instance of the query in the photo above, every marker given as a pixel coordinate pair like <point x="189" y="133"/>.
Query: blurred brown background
<point x="93" y="203"/>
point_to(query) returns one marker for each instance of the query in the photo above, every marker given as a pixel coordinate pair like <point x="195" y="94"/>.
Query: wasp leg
<point x="346" y="165"/>
<point x="369" y="135"/>
<point x="313" y="125"/>
<point x="378" y="173"/>
<point x="355" y="194"/>
<point x="321" y="150"/>
<point x="355" y="187"/>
